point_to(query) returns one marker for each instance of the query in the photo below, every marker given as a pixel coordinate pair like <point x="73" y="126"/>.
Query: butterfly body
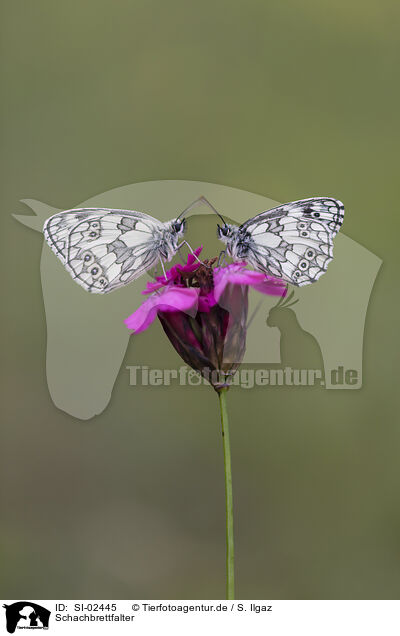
<point x="238" y="241"/>
<point x="293" y="242"/>
<point x="104" y="249"/>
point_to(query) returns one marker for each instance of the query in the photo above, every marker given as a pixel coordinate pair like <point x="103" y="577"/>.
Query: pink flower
<point x="175" y="295"/>
<point x="203" y="311"/>
<point x="237" y="274"/>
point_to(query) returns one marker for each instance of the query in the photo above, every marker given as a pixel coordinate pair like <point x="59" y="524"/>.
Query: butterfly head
<point x="226" y="232"/>
<point x="178" y="227"/>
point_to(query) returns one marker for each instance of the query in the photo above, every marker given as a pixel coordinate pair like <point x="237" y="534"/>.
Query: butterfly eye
<point x="102" y="281"/>
<point x="302" y="225"/>
<point x="296" y="274"/>
<point x="178" y="226"/>
<point x="95" y="224"/>
<point x="316" y="215"/>
<point x="305" y="234"/>
<point x="303" y="264"/>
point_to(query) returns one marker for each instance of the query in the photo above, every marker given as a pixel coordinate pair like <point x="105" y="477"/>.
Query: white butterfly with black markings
<point x="293" y="242"/>
<point x="104" y="249"/>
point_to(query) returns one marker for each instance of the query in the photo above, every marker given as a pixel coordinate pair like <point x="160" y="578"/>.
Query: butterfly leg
<point x="187" y="245"/>
<point x="156" y="273"/>
<point x="163" y="268"/>
<point x="221" y="259"/>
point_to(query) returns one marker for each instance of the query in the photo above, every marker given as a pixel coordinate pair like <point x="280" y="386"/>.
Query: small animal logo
<point x="299" y="349"/>
<point x="26" y="615"/>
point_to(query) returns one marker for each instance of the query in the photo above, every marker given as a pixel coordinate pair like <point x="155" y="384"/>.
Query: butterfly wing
<point x="294" y="241"/>
<point x="104" y="249"/>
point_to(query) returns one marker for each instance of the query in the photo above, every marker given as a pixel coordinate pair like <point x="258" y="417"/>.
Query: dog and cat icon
<point x="26" y="615"/>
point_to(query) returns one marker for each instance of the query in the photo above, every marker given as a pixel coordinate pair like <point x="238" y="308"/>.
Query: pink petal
<point x="192" y="258"/>
<point x="172" y="299"/>
<point x="236" y="274"/>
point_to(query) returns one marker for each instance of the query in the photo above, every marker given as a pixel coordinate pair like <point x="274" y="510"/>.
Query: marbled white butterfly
<point x="104" y="249"/>
<point x="293" y="242"/>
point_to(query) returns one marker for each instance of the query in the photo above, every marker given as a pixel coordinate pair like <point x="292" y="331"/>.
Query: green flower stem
<point x="230" y="555"/>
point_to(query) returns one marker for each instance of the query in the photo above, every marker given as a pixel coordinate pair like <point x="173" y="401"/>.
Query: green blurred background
<point x="287" y="99"/>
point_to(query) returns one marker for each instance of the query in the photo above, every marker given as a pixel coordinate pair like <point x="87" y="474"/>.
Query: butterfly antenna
<point x="200" y="201"/>
<point x="210" y="205"/>
<point x="189" y="207"/>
